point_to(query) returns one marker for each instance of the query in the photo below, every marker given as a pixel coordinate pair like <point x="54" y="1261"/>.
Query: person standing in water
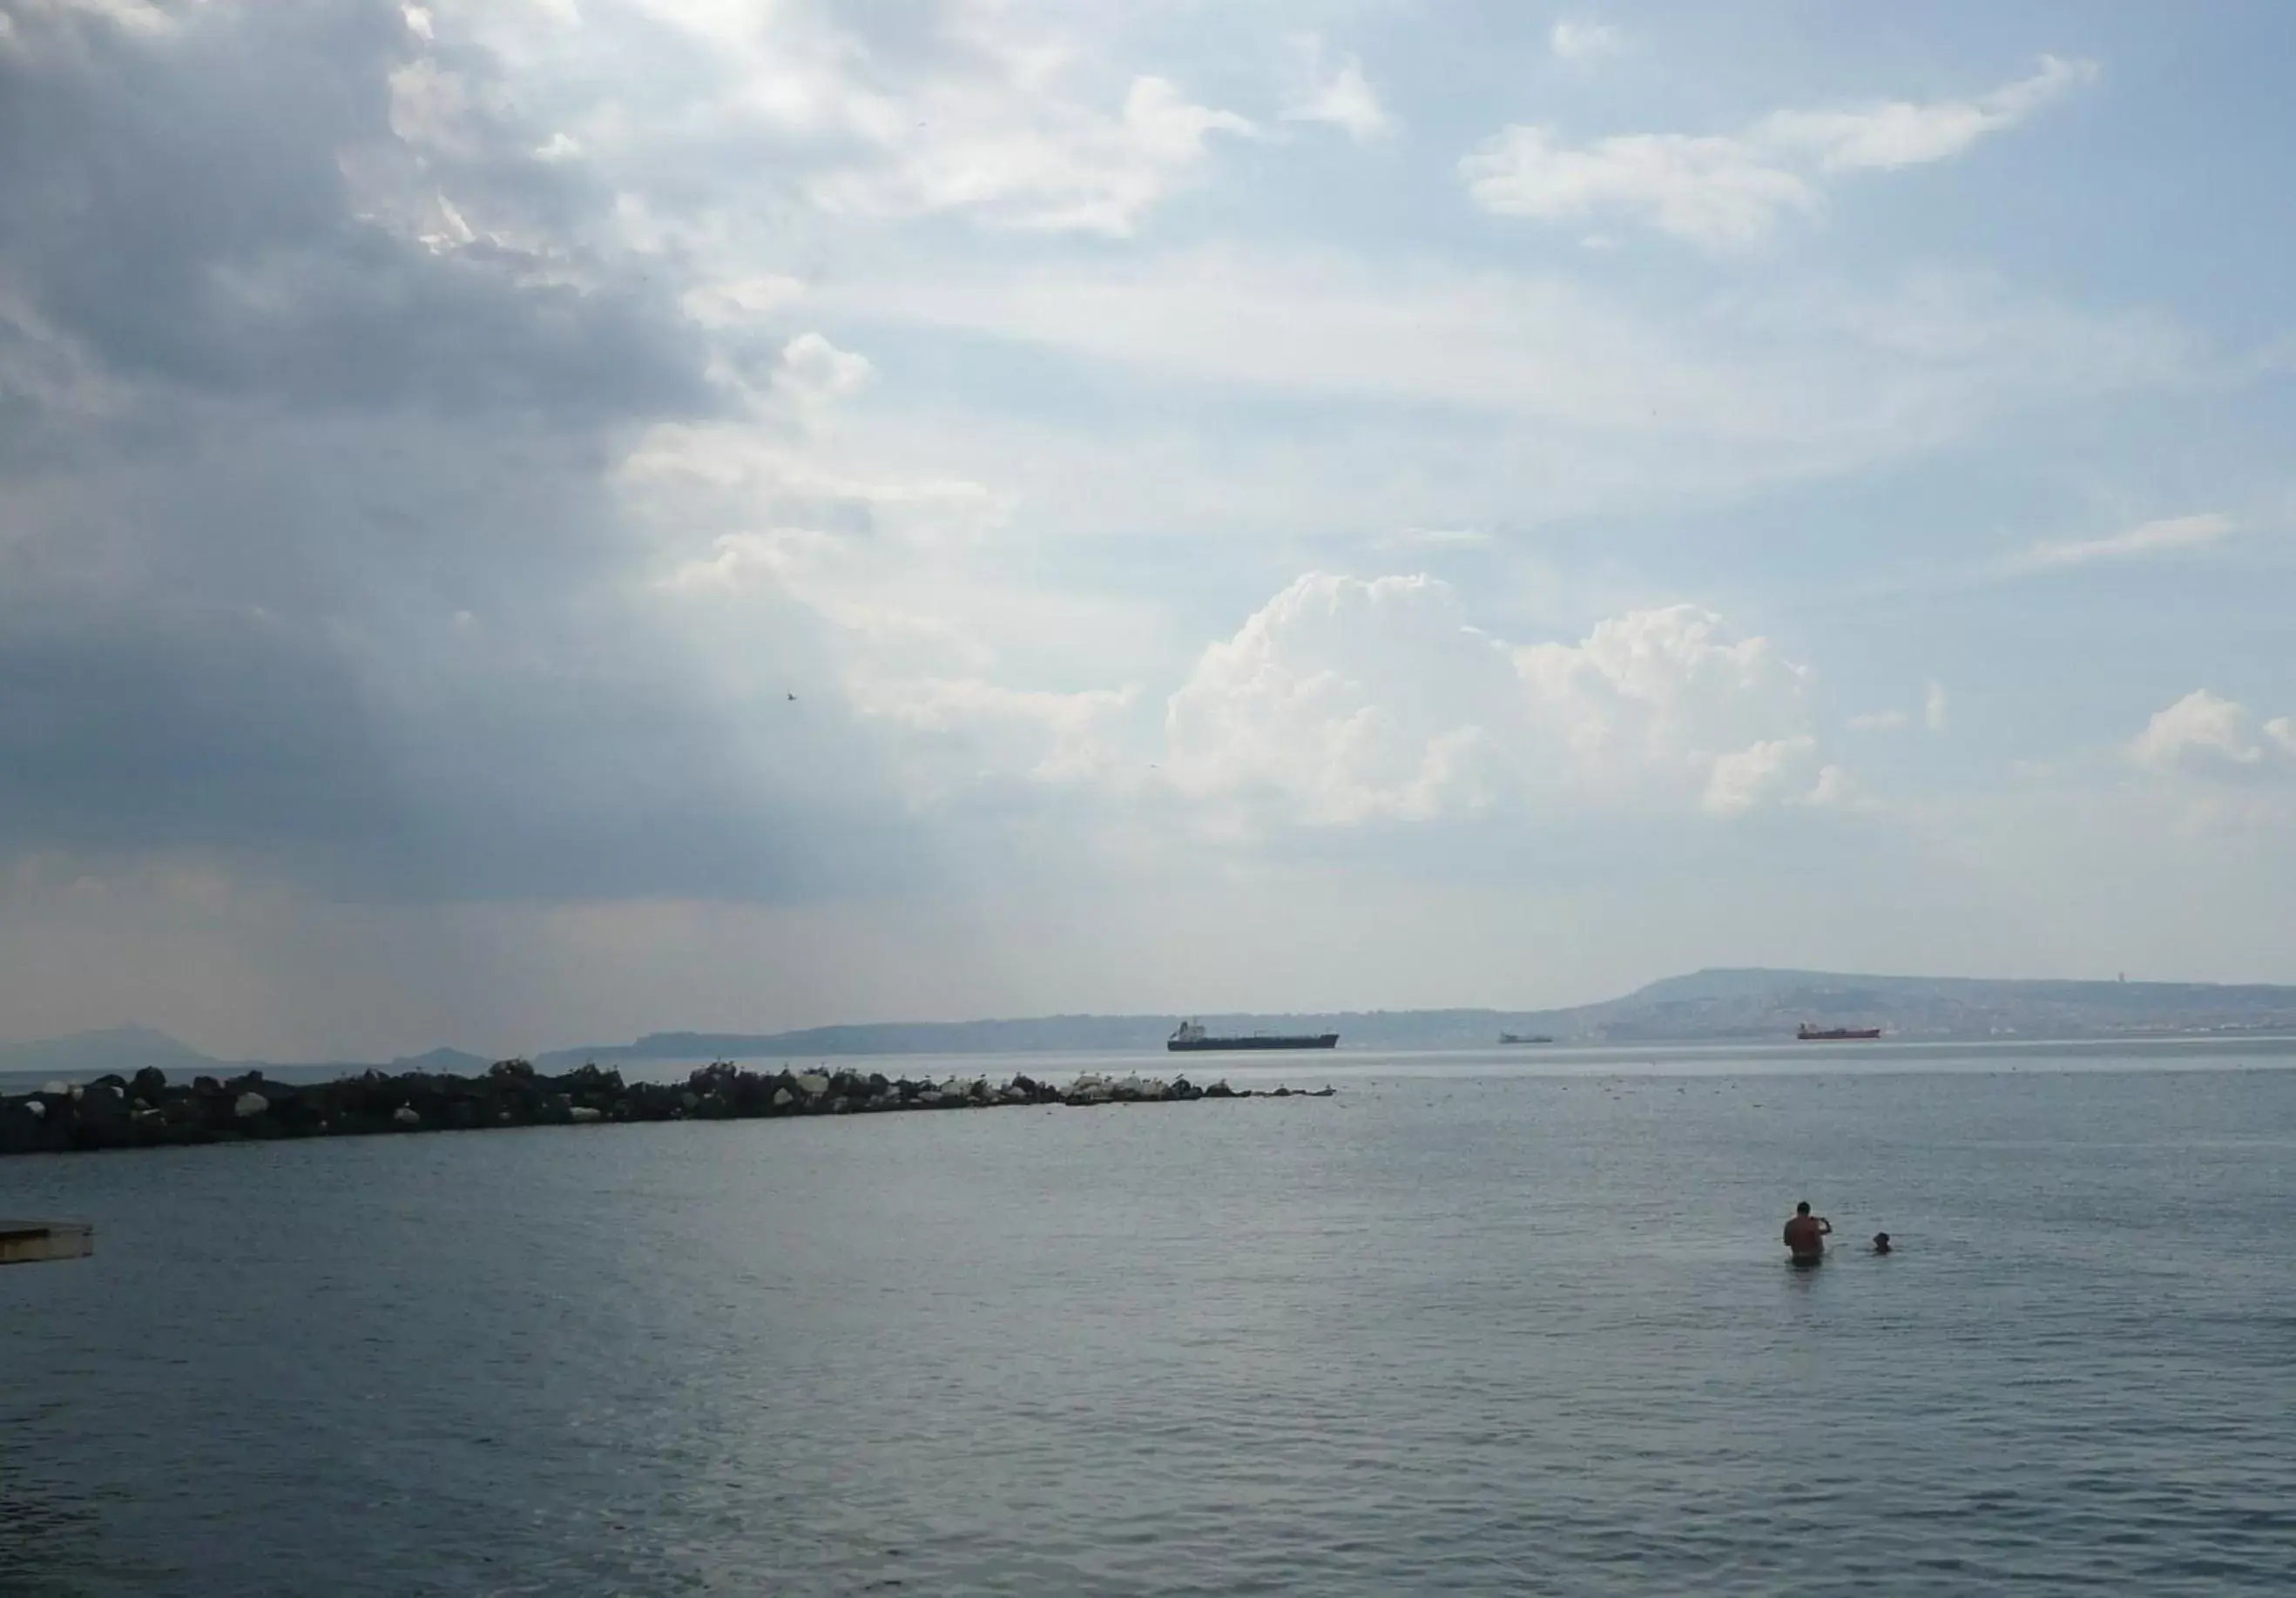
<point x="1806" y="1235"/>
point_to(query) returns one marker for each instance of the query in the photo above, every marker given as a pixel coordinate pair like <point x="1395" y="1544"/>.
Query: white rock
<point x="36" y="1109"/>
<point x="63" y="1089"/>
<point x="583" y="1112"/>
<point x="249" y="1103"/>
<point x="812" y="1085"/>
<point x="407" y="1115"/>
<point x="783" y="1098"/>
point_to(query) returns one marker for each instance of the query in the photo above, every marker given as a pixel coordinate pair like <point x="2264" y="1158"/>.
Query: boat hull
<point x="1206" y="1045"/>
<point x="1839" y="1035"/>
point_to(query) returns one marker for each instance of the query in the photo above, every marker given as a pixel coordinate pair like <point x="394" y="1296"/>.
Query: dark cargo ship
<point x="1191" y="1037"/>
<point x="1809" y="1033"/>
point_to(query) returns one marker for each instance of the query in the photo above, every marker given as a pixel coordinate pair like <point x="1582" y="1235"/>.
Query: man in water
<point x="1806" y="1235"/>
<point x="1881" y="1242"/>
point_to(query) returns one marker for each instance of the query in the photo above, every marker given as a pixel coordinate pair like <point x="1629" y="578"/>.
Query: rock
<point x="119" y="1113"/>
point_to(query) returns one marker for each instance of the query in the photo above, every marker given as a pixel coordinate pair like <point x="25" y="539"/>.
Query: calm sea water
<point x="1479" y="1324"/>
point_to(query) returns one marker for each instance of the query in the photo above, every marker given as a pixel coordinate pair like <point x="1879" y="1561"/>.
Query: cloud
<point x="1715" y="192"/>
<point x="322" y="272"/>
<point x="1934" y="707"/>
<point x="1877" y="721"/>
<point x="2170" y="536"/>
<point x="1343" y="701"/>
<point x="1836" y="789"/>
<point x="1632" y="402"/>
<point x="317" y="574"/>
<point x="1084" y="172"/>
<point x="1339" y="95"/>
<point x="815" y="372"/>
<point x="1728" y="191"/>
<point x="2205" y="732"/>
<point x="961" y="107"/>
<point x="1902" y="134"/>
<point x="1585" y="44"/>
<point x="1744" y="778"/>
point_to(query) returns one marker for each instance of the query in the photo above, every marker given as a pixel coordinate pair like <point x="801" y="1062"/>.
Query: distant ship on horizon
<point x="1809" y="1033"/>
<point x="1191" y="1038"/>
<point x="1511" y="1037"/>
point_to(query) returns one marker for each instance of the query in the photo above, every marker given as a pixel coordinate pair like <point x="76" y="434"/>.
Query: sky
<point x="529" y="521"/>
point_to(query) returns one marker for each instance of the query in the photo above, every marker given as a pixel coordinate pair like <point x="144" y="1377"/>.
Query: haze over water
<point x="1478" y="1324"/>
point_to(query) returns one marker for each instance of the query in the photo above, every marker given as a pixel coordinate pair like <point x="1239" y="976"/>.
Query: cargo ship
<point x="1809" y="1033"/>
<point x="1191" y="1038"/>
<point x="1511" y="1037"/>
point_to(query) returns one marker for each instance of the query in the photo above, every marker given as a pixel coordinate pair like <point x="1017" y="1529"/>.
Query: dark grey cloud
<point x="311" y="562"/>
<point x="182" y="204"/>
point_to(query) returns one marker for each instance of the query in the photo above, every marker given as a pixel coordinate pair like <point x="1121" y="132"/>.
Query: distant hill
<point x="1723" y="1005"/>
<point x="125" y="1050"/>
<point x="441" y="1062"/>
<point x="1718" y="1006"/>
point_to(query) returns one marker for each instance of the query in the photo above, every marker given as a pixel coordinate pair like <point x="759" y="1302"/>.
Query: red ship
<point x="1809" y="1033"/>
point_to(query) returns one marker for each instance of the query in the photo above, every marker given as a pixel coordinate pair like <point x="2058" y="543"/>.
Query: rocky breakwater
<point x="146" y="1111"/>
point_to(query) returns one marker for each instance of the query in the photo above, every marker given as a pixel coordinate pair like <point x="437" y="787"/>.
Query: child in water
<point x="1881" y="1242"/>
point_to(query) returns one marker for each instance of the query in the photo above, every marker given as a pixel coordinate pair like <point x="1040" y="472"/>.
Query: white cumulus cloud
<point x="1344" y="701"/>
<point x="2205" y="731"/>
<point x="1726" y="191"/>
<point x="1336" y="93"/>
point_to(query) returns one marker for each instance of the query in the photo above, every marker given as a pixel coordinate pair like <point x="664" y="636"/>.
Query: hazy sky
<point x="1259" y="505"/>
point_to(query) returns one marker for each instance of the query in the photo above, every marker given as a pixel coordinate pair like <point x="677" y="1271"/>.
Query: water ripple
<point x="1483" y="1335"/>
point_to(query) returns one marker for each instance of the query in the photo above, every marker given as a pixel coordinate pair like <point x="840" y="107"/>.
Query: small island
<point x="146" y="1111"/>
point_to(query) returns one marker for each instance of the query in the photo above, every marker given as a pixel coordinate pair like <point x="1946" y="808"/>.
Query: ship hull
<point x="1841" y="1035"/>
<point x="1206" y="1045"/>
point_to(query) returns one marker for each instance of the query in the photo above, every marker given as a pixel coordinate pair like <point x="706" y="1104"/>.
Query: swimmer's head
<point x="1802" y="1208"/>
<point x="1881" y="1241"/>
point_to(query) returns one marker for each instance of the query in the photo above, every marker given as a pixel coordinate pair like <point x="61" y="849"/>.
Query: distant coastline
<point x="1751" y="1005"/>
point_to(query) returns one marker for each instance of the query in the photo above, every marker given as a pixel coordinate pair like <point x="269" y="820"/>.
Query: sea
<point x="1501" y="1322"/>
